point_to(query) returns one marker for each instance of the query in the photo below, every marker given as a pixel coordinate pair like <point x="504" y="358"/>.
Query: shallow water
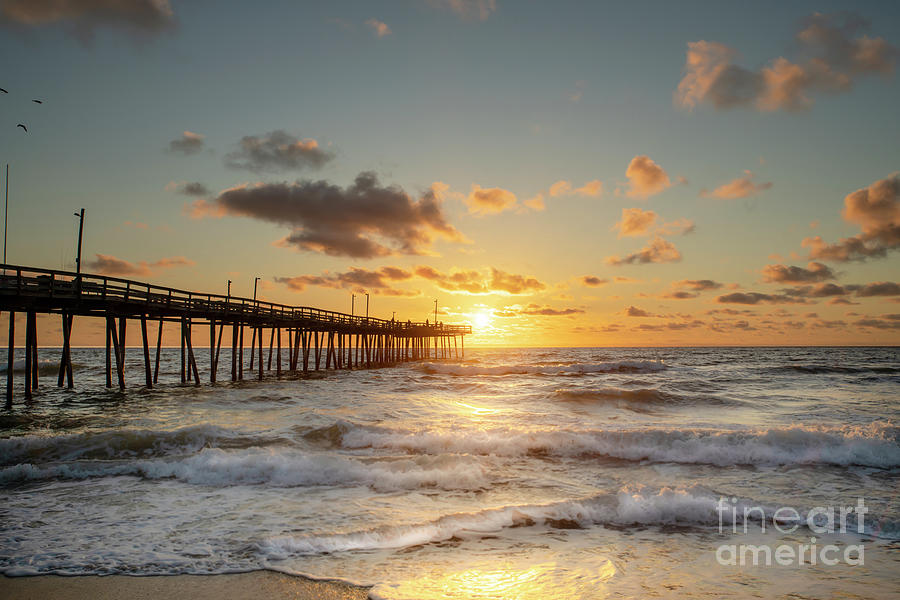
<point x="531" y="473"/>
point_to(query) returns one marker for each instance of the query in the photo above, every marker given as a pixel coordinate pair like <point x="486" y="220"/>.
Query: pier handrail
<point x="56" y="283"/>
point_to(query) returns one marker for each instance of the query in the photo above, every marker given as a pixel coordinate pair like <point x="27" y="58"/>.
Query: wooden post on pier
<point x="271" y="346"/>
<point x="28" y="354"/>
<point x="148" y="373"/>
<point x="212" y="350"/>
<point x="253" y="348"/>
<point x="183" y="355"/>
<point x="219" y="345"/>
<point x="305" y="340"/>
<point x="278" y="357"/>
<point x="260" y="338"/>
<point x="10" y="358"/>
<point x="118" y="342"/>
<point x="158" y="350"/>
<point x="109" y="329"/>
<point x="65" y="361"/>
<point x="316" y="337"/>
<point x="241" y="353"/>
<point x="192" y="361"/>
<point x="234" y="343"/>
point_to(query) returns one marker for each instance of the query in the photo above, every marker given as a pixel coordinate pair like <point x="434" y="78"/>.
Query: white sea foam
<point x="631" y="505"/>
<point x="273" y="467"/>
<point x="875" y="445"/>
<point x="620" y="366"/>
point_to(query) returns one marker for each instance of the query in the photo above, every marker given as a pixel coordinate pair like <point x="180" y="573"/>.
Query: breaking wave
<point x="621" y="366"/>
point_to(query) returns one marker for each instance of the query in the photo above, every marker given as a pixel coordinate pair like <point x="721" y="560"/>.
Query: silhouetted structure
<point x="314" y="336"/>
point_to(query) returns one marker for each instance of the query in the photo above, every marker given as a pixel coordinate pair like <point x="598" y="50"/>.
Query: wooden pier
<point x="309" y="338"/>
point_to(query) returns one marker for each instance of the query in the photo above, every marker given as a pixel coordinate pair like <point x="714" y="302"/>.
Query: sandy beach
<point x="241" y="586"/>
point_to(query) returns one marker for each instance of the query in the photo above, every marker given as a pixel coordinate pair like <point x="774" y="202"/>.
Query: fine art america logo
<point x="786" y="520"/>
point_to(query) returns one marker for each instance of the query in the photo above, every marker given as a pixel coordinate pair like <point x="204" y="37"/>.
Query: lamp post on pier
<point x="367" y="306"/>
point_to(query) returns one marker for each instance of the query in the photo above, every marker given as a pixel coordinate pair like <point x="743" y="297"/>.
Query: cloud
<point x="876" y="209"/>
<point x="536" y="202"/>
<point x="657" y="251"/>
<point x="546" y="311"/>
<point x="878" y="323"/>
<point x="476" y="282"/>
<point x="634" y="311"/>
<point x="757" y="298"/>
<point x="814" y="271"/>
<point x="188" y="143"/>
<point x="277" y="151"/>
<point x="635" y="222"/>
<point x="592" y="281"/>
<point x="879" y="288"/>
<point x="188" y="188"/>
<point x="378" y="281"/>
<point x="489" y="201"/>
<point x="363" y="220"/>
<point x="560" y="188"/>
<point x="833" y="58"/>
<point x="742" y="187"/>
<point x="139" y="16"/>
<point x="110" y="265"/>
<point x="591" y="189"/>
<point x="645" y="177"/>
<point x="679" y="295"/>
<point x="467" y="9"/>
<point x="698" y="285"/>
<point x="680" y="226"/>
<point x="381" y="29"/>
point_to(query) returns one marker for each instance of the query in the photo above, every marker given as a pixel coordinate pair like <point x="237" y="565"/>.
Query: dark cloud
<point x="698" y="285"/>
<point x="277" y="151"/>
<point x="878" y="323"/>
<point x="110" y="265"/>
<point x="757" y="298"/>
<point x="546" y="311"/>
<point x="814" y="271"/>
<point x="679" y="295"/>
<point x="657" y="251"/>
<point x="879" y="288"/>
<point x="379" y="281"/>
<point x="188" y="143"/>
<point x="833" y="53"/>
<point x="876" y="209"/>
<point x="193" y="188"/>
<point x="514" y="284"/>
<point x="83" y="16"/>
<point x="592" y="281"/>
<point x="363" y="220"/>
<point x="634" y="311"/>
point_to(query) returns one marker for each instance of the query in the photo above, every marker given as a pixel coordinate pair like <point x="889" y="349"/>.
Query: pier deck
<point x="340" y="340"/>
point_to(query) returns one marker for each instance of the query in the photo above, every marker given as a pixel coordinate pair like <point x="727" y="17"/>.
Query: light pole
<point x="80" y="216"/>
<point x="367" y="306"/>
<point x="352" y="303"/>
<point x="6" y="214"/>
<point x="229" y="288"/>
<point x="255" y="282"/>
<point x="435" y="311"/>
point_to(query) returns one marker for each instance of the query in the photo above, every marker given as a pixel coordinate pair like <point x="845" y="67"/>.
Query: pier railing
<point x="50" y="284"/>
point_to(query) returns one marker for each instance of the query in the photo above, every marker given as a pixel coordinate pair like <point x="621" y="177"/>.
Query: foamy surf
<point x="875" y="445"/>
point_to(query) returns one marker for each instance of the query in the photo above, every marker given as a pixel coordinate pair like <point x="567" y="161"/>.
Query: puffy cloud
<point x="757" y="298"/>
<point x="467" y="9"/>
<point x="657" y="251"/>
<point x="277" y="151"/>
<point x="377" y="281"/>
<point x="634" y="311"/>
<point x="876" y="209"/>
<point x="489" y="201"/>
<point x="879" y="288"/>
<point x="680" y="295"/>
<point x="362" y="220"/>
<point x="742" y="187"/>
<point x="592" y="281"/>
<point x="635" y="222"/>
<point x="475" y="282"/>
<point x="110" y="265"/>
<point x="188" y="143"/>
<point x="835" y="59"/>
<point x="380" y="28"/>
<point x="645" y="177"/>
<point x="698" y="284"/>
<point x="536" y="202"/>
<point x="141" y="16"/>
<point x="591" y="189"/>
<point x="560" y="188"/>
<point x="814" y="271"/>
<point x="546" y="311"/>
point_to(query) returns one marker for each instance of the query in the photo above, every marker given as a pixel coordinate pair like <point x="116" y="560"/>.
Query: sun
<point x="482" y="320"/>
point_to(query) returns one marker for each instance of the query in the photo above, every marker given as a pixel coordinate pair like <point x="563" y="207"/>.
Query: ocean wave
<point x="692" y="506"/>
<point x="875" y="445"/>
<point x="46" y="366"/>
<point x="621" y="366"/>
<point x="275" y="468"/>
<point x="633" y="399"/>
<point x="118" y="443"/>
<point x="819" y="369"/>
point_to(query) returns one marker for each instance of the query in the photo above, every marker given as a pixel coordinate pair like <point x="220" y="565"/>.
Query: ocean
<point x="511" y="473"/>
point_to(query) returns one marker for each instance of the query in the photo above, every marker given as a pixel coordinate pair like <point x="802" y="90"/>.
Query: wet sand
<point x="242" y="586"/>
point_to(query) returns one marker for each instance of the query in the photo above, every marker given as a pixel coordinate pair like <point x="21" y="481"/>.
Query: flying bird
<point x="23" y="127"/>
<point x="38" y="101"/>
<point x="4" y="91"/>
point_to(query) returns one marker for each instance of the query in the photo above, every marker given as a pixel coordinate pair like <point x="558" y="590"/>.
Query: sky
<point x="555" y="174"/>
